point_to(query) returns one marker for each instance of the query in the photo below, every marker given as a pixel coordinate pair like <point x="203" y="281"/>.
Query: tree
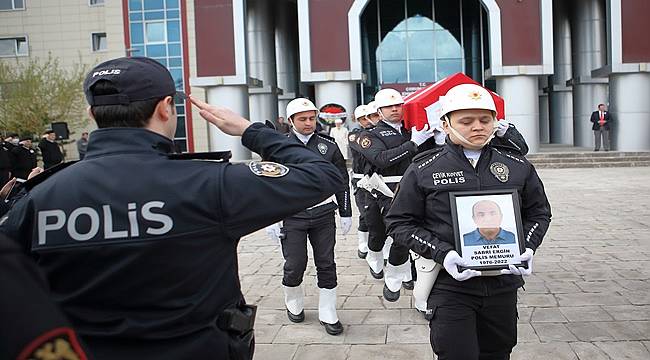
<point x="35" y="93"/>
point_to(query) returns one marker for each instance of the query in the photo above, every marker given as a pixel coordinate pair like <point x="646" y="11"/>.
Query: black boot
<point x="361" y="254"/>
<point x="333" y="329"/>
<point x="379" y="275"/>
<point x="390" y="295"/>
<point x="408" y="285"/>
<point x="296" y="318"/>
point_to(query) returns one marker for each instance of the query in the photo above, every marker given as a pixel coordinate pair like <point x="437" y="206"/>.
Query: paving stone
<point x="365" y="334"/>
<point x="526" y="333"/>
<point x="391" y="316"/>
<point x="585" y="313"/>
<point x="637" y="297"/>
<point x="412" y="316"/>
<point x="553" y="332"/>
<point x="538" y="300"/>
<point x="524" y="313"/>
<point x="624" y="350"/>
<point x="588" y="351"/>
<point x="547" y="315"/>
<point x="589" y="331"/>
<point x="559" y="287"/>
<point x="264" y="334"/>
<point x="318" y="352"/>
<point x="582" y="299"/>
<point x="391" y="352"/>
<point x="544" y="351"/>
<point x="305" y="333"/>
<point x="363" y="302"/>
<point x="274" y="352"/>
<point x="629" y="312"/>
<point x="408" y="334"/>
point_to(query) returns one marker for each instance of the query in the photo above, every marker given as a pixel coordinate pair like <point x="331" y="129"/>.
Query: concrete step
<point x="591" y="154"/>
<point x="590" y="164"/>
<point x="590" y="160"/>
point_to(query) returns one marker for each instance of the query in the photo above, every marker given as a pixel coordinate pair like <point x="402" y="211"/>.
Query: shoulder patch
<point x="268" y="168"/>
<point x="322" y="148"/>
<point x="352" y="137"/>
<point x="57" y="344"/>
<point x="365" y="142"/>
<point x="326" y="138"/>
<point x="510" y="156"/>
<point x="427" y="157"/>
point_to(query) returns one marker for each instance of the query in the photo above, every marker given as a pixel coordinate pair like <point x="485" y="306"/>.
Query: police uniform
<point x="51" y="153"/>
<point x="142" y="258"/>
<point x="5" y="162"/>
<point x="32" y="326"/>
<point x="359" y="168"/>
<point x="477" y="316"/>
<point x="316" y="223"/>
<point x="24" y="161"/>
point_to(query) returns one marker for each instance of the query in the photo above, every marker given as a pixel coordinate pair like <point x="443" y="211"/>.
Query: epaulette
<point x="327" y="138"/>
<point x="427" y="157"/>
<point x="222" y="156"/>
<point x="29" y="184"/>
<point x="513" y="148"/>
<point x="507" y="152"/>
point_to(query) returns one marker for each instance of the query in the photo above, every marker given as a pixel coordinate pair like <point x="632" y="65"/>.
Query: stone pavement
<point x="588" y="298"/>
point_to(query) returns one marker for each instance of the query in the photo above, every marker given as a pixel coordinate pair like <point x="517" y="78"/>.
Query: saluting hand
<point x="225" y="119"/>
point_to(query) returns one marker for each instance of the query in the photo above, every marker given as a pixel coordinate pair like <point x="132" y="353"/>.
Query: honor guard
<point x="359" y="165"/>
<point x="389" y="148"/>
<point x="24" y="158"/>
<point x="315" y="223"/>
<point x="471" y="316"/>
<point x="142" y="256"/>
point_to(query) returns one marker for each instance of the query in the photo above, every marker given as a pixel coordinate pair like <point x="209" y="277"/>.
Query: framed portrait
<point x="488" y="230"/>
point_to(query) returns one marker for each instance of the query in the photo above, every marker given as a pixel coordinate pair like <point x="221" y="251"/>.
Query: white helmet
<point x="299" y="105"/>
<point x="363" y="110"/>
<point x="372" y="107"/>
<point x="466" y="96"/>
<point x="388" y="97"/>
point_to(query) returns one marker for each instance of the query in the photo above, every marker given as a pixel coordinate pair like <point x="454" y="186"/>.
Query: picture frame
<point x="488" y="230"/>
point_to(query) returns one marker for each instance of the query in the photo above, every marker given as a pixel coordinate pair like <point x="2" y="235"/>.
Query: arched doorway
<point x="409" y="43"/>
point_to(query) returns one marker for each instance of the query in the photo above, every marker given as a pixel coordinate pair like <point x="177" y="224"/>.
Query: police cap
<point x="135" y="78"/>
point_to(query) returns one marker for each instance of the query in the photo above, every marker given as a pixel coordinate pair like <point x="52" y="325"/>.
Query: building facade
<point x="552" y="61"/>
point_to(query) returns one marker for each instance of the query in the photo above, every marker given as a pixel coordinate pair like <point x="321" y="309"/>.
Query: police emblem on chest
<point x="365" y="143"/>
<point x="500" y="171"/>
<point x="322" y="148"/>
<point x="268" y="168"/>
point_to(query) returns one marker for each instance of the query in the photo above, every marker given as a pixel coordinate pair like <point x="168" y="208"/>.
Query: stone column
<point x="236" y="98"/>
<point x="522" y="105"/>
<point x="630" y="110"/>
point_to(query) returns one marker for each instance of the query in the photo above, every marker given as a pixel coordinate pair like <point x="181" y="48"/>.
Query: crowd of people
<point x="142" y="260"/>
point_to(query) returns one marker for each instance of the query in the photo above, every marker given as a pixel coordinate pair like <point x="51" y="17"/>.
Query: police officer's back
<point x="141" y="255"/>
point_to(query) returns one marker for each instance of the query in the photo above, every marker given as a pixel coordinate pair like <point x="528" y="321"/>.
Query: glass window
<point x="135" y="5"/>
<point x="180" y="110"/>
<point x="11" y="5"/>
<point x="447" y="46"/>
<point x="173" y="31"/>
<point x="420" y="44"/>
<point x="156" y="51"/>
<point x="154" y="4"/>
<point x="172" y="4"/>
<point x="172" y="14"/>
<point x="174" y="49"/>
<point x="393" y="72"/>
<point x="175" y="61"/>
<point x="448" y="67"/>
<point x="14" y="47"/>
<point x="99" y="41"/>
<point x="154" y="15"/>
<point x="137" y="51"/>
<point x="96" y="2"/>
<point x="162" y="61"/>
<point x="422" y="71"/>
<point x="177" y="75"/>
<point x="137" y="35"/>
<point x="419" y="22"/>
<point x="155" y="32"/>
<point x="135" y="16"/>
<point x="393" y="46"/>
<point x="180" y="126"/>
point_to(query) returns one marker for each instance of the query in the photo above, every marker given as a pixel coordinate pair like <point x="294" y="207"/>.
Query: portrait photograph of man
<point x="487" y="216"/>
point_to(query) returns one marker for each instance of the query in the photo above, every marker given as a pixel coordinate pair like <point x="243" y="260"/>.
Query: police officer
<point x="24" y="158"/>
<point x="472" y="316"/>
<point x="32" y="326"/>
<point x="359" y="165"/>
<point x="316" y="223"/>
<point x="143" y="257"/>
<point x="50" y="150"/>
<point x="389" y="148"/>
<point x="5" y="162"/>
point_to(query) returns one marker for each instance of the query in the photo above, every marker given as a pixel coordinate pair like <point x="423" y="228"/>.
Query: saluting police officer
<point x="316" y="223"/>
<point x="362" y="114"/>
<point x="143" y="256"/>
<point x="473" y="316"/>
<point x="32" y="326"/>
<point x="389" y="148"/>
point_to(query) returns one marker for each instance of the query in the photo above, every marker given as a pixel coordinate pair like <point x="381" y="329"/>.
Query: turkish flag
<point x="422" y="107"/>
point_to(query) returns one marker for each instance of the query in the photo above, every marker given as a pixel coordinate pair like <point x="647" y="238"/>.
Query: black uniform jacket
<point x="24" y="161"/>
<point x="51" y="153"/>
<point x="325" y="146"/>
<point x="420" y="216"/>
<point x="140" y="249"/>
<point x="30" y="321"/>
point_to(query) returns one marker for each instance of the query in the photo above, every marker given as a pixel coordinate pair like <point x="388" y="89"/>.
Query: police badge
<point x="268" y="168"/>
<point x="322" y="148"/>
<point x="365" y="143"/>
<point x="500" y="171"/>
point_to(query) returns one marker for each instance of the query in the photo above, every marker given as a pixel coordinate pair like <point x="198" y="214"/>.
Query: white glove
<point x="440" y="136"/>
<point x="451" y="262"/>
<point x="513" y="270"/>
<point x="420" y="136"/>
<point x="273" y="231"/>
<point x="346" y="224"/>
<point x="502" y="127"/>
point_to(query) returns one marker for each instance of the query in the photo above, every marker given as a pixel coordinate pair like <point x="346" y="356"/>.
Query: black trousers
<point x="321" y="231"/>
<point x="467" y="327"/>
<point x="360" y="197"/>
<point x="375" y="213"/>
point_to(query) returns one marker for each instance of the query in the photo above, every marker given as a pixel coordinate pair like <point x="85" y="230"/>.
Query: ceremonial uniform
<point x="360" y="167"/>
<point x="24" y="161"/>
<point x="51" y="153"/>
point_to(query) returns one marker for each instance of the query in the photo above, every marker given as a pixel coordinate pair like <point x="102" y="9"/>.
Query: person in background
<point x="340" y="135"/>
<point x="82" y="145"/>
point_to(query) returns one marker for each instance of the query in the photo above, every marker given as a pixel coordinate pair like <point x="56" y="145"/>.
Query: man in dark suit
<point x="24" y="158"/>
<point x="50" y="150"/>
<point x="601" y="120"/>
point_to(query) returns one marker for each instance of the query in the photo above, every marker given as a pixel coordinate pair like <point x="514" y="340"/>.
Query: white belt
<point x="357" y="176"/>
<point x="391" y="179"/>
